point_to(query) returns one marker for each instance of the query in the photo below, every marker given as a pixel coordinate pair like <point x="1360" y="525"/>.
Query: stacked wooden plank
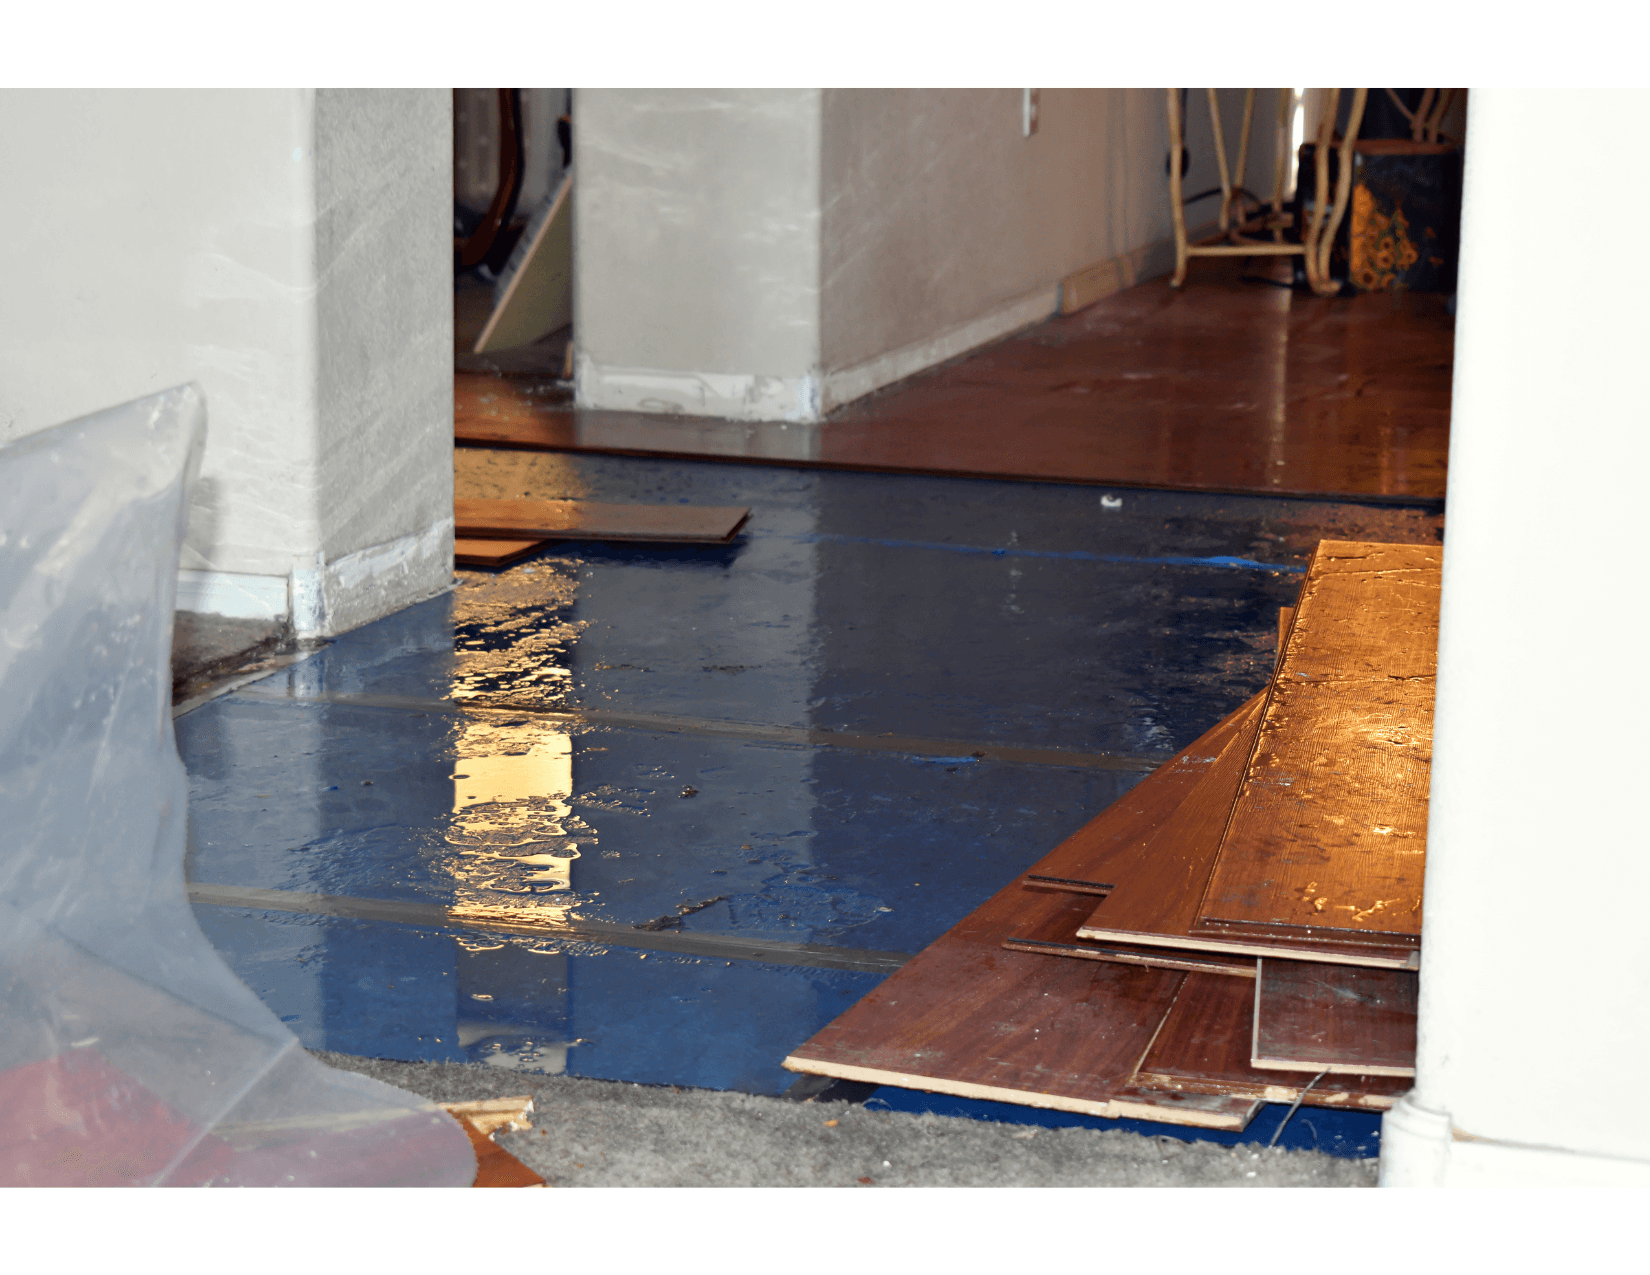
<point x="495" y="533"/>
<point x="1242" y="927"/>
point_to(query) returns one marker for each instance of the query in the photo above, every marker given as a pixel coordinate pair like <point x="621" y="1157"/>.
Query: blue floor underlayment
<point x="415" y="770"/>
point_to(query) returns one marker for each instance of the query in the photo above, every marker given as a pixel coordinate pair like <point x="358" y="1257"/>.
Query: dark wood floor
<point x="1227" y="385"/>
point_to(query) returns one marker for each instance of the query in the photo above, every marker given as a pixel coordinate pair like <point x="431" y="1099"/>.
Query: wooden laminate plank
<point x="965" y="1017"/>
<point x="1240" y="389"/>
<point x="1157" y="958"/>
<point x="496" y="1167"/>
<point x="592" y="520"/>
<point x="469" y="552"/>
<point x="1203" y="1047"/>
<point x="1158" y="880"/>
<point x="1313" y="1017"/>
<point x="1327" y="836"/>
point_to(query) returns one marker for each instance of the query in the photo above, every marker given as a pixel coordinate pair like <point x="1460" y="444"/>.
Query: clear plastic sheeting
<point x="129" y="1053"/>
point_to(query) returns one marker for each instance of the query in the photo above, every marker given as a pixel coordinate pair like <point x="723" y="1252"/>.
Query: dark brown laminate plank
<point x="1313" y="1017"/>
<point x="965" y="1017"/>
<point x="592" y="520"/>
<point x="1327" y="836"/>
<point x="1204" y="1048"/>
<point x="1157" y="958"/>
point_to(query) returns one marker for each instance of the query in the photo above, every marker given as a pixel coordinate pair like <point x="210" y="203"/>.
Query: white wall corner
<point x="329" y="598"/>
<point x="849" y="383"/>
<point x="729" y="395"/>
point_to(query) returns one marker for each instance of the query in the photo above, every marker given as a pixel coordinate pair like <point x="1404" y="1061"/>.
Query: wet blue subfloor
<point x="409" y="762"/>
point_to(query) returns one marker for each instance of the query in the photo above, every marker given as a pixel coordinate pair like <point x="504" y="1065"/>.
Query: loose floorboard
<point x="1327" y="836"/>
<point x="492" y="553"/>
<point x="1157" y="958"/>
<point x="591" y="520"/>
<point x="1225" y="385"/>
<point x="1202" y="1048"/>
<point x="1312" y="1017"/>
<point x="965" y="1017"/>
<point x="496" y="1167"/>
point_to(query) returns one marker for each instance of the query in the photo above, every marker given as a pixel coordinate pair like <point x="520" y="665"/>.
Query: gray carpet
<point x="605" y="1133"/>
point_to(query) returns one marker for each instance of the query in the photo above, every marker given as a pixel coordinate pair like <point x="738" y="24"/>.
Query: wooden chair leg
<point x="1177" y="209"/>
<point x="1343" y="186"/>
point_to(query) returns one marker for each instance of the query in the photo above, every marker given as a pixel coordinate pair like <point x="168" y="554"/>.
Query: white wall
<point x="289" y="251"/>
<point x="945" y="226"/>
<point x="1535" y="973"/>
<point x="770" y="254"/>
<point x="696" y="213"/>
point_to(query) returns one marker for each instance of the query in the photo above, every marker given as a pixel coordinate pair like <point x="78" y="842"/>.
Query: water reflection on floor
<point x="639" y="740"/>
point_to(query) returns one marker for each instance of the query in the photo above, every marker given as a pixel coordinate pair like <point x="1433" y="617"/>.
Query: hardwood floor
<point x="1226" y="385"/>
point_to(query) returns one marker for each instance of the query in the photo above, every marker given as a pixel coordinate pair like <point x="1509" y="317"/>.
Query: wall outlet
<point x="1030" y="104"/>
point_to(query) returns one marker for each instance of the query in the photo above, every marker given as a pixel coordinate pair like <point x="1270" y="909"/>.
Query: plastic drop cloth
<point x="129" y="1053"/>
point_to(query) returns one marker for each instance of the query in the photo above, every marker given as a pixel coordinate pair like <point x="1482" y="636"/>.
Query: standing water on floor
<point x="660" y="814"/>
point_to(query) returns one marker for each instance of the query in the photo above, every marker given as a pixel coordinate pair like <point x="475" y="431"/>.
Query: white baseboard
<point x="735" y="396"/>
<point x="849" y="383"/>
<point x="324" y="599"/>
<point x="334" y="597"/>
<point x="1421" y="1148"/>
<point x="233" y="594"/>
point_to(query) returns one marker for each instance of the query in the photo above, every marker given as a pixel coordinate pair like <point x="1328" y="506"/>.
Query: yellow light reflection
<point x="513" y="829"/>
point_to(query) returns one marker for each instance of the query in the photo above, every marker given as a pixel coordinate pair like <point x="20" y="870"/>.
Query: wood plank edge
<point x="1113" y="1109"/>
<point x="1269" y="1093"/>
<point x="1241" y="948"/>
<point x="1334" y="1069"/>
<point x="1189" y="964"/>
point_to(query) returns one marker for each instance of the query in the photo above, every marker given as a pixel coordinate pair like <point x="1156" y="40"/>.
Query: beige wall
<point x="288" y="250"/>
<point x="696" y="216"/>
<point x="770" y="254"/>
<point x="938" y="211"/>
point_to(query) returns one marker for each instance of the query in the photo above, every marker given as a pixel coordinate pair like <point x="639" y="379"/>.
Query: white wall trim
<point x="333" y="597"/>
<point x="1422" y="1148"/>
<point x="740" y="396"/>
<point x="322" y="599"/>
<point x="849" y="383"/>
<point x="235" y="594"/>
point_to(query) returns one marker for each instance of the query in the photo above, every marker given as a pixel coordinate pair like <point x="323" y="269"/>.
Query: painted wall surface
<point x="384" y="312"/>
<point x="1536" y="956"/>
<point x="281" y="250"/>
<point x="696" y="215"/>
<point x="770" y="254"/>
<point x="938" y="209"/>
<point x="175" y="244"/>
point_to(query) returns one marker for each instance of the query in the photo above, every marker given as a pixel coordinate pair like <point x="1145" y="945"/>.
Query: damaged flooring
<point x="658" y="815"/>
<point x="591" y="1133"/>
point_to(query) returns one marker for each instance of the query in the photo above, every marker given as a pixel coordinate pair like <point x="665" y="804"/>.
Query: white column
<point x="696" y="213"/>
<point x="1535" y="978"/>
<point x="290" y="251"/>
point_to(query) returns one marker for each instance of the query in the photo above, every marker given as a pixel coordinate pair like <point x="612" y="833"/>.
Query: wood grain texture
<point x="591" y="520"/>
<point x="1203" y="1047"/>
<point x="965" y="1017"/>
<point x="1222" y="386"/>
<point x="492" y="553"/>
<point x="1327" y="836"/>
<point x="1312" y="1017"/>
<point x="1159" y="879"/>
